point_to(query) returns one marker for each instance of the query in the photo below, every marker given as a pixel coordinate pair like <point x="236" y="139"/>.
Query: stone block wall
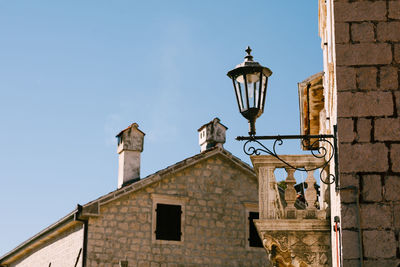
<point x="60" y="251"/>
<point x="214" y="193"/>
<point x="367" y="43"/>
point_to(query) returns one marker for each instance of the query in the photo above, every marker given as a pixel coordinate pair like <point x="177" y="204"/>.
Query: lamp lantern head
<point x="250" y="81"/>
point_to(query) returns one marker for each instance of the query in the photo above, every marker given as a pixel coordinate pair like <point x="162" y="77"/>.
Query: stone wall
<point x="367" y="43"/>
<point x="60" y="251"/>
<point x="214" y="193"/>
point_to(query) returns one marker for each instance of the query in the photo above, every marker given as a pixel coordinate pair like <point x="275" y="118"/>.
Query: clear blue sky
<point x="75" y="73"/>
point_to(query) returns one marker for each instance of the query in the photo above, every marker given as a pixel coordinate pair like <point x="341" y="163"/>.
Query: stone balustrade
<point x="294" y="232"/>
<point x="272" y="204"/>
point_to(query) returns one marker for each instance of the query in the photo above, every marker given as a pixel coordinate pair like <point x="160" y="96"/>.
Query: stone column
<point x="267" y="192"/>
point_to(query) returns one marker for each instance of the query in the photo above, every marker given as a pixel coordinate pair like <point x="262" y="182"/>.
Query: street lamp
<point x="250" y="81"/>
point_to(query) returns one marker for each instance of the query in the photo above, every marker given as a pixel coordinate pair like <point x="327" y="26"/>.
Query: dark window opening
<point x="254" y="239"/>
<point x="168" y="225"/>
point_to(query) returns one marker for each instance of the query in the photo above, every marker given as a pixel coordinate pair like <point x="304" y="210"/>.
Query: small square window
<point x="168" y="222"/>
<point x="168" y="219"/>
<point x="254" y="239"/>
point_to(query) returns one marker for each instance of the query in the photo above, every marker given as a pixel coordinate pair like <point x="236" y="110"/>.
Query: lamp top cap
<point x="248" y="66"/>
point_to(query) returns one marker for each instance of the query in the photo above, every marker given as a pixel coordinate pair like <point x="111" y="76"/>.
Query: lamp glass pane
<point x="241" y="93"/>
<point x="253" y="86"/>
<point x="263" y="91"/>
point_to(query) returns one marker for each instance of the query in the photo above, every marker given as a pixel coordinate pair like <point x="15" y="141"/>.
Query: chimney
<point x="130" y="145"/>
<point x="212" y="134"/>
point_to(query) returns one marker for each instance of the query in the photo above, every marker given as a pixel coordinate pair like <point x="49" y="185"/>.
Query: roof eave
<point x="8" y="257"/>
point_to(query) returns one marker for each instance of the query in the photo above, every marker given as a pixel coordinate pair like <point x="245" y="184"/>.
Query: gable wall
<point x="214" y="228"/>
<point x="61" y="251"/>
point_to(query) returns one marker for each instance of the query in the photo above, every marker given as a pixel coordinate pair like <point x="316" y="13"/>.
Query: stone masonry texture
<point x="214" y="192"/>
<point x="61" y="251"/>
<point x="367" y="47"/>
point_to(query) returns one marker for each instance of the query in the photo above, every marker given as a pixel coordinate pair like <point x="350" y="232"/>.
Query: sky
<point x="73" y="74"/>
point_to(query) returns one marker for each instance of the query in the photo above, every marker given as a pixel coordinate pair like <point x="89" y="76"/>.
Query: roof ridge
<point x="156" y="176"/>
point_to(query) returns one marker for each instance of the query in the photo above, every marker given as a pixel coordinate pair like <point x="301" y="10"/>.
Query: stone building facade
<point x="214" y="195"/>
<point x="213" y="192"/>
<point x="361" y="44"/>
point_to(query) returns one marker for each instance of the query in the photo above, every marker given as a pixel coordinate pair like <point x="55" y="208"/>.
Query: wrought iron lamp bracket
<point x="253" y="146"/>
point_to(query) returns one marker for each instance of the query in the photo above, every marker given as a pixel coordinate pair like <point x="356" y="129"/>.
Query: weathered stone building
<point x="213" y="191"/>
<point x="193" y="213"/>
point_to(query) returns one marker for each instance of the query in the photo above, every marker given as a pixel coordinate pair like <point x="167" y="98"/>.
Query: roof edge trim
<point x="71" y="217"/>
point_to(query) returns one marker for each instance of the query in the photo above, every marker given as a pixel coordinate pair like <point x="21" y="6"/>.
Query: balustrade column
<point x="311" y="193"/>
<point x="290" y="194"/>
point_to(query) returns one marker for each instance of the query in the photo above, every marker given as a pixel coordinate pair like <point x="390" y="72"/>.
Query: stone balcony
<point x="293" y="234"/>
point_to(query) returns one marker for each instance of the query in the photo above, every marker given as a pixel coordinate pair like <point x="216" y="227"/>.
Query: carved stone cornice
<point x="296" y="243"/>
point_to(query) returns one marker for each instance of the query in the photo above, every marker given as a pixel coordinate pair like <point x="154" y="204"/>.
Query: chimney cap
<point x="217" y="120"/>
<point x="133" y="125"/>
<point x="212" y="134"/>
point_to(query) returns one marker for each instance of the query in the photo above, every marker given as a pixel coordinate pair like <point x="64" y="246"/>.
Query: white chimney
<point x="130" y="145"/>
<point x="212" y="134"/>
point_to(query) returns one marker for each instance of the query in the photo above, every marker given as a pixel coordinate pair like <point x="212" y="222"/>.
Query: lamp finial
<point x="249" y="57"/>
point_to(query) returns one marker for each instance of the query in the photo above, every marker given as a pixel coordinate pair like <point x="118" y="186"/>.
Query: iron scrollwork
<point x="321" y="146"/>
